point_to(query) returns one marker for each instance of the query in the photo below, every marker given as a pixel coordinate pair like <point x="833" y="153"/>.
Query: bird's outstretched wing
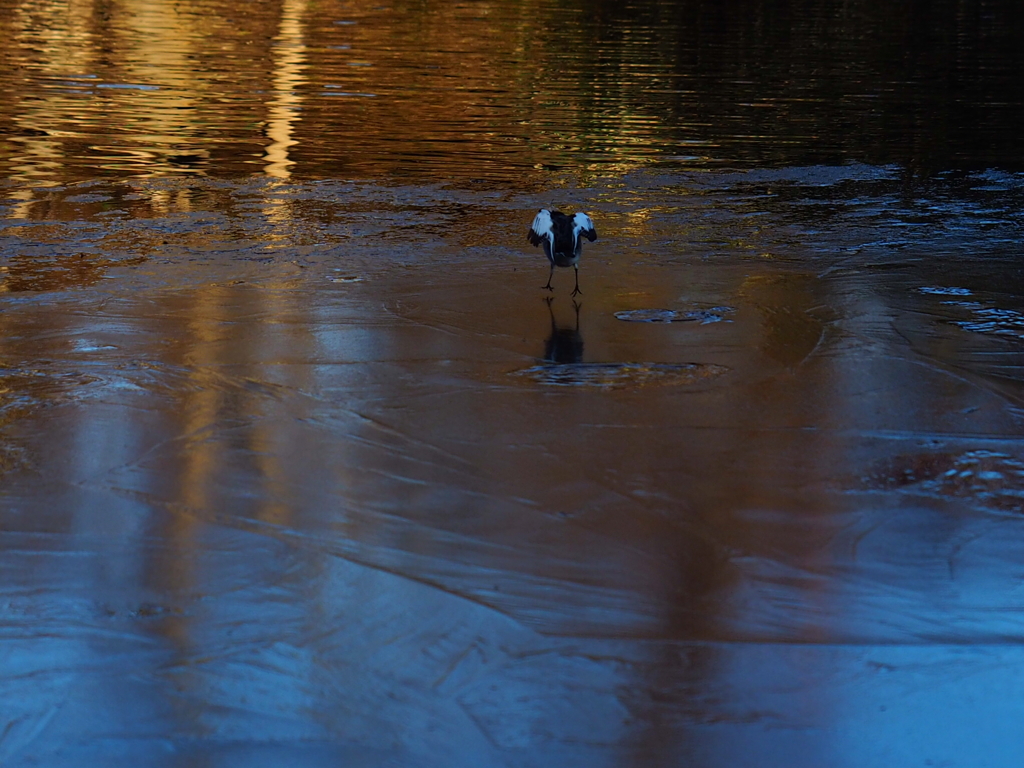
<point x="582" y="225"/>
<point x="541" y="229"/>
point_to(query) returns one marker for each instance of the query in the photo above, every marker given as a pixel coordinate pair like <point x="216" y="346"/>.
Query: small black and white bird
<point x="562" y="236"/>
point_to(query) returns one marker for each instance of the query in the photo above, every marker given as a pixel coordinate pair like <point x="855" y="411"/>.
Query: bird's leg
<point x="577" y="288"/>
<point x="552" y="272"/>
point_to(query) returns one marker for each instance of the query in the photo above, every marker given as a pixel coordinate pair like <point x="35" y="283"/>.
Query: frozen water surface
<point x="300" y="466"/>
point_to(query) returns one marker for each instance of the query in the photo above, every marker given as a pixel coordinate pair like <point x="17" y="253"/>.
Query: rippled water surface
<point x="299" y="465"/>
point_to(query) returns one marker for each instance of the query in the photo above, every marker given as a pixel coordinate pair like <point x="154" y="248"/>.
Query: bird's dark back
<point x="561" y="226"/>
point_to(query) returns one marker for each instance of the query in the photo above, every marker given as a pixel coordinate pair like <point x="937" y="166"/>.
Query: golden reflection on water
<point x="446" y="90"/>
<point x="500" y="92"/>
<point x="289" y="61"/>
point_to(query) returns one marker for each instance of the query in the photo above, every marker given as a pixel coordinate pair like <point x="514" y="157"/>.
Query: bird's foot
<point x="576" y="291"/>
<point x="549" y="287"/>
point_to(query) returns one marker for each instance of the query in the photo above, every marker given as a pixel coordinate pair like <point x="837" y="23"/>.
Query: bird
<point x="562" y="236"/>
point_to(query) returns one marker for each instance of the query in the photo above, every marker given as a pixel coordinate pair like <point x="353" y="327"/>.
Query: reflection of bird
<point x="562" y="237"/>
<point x="564" y="345"/>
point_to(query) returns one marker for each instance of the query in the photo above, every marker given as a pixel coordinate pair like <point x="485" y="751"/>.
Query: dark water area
<point x="299" y="465"/>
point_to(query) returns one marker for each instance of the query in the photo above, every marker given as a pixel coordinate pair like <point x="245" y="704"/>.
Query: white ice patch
<point x="940" y="291"/>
